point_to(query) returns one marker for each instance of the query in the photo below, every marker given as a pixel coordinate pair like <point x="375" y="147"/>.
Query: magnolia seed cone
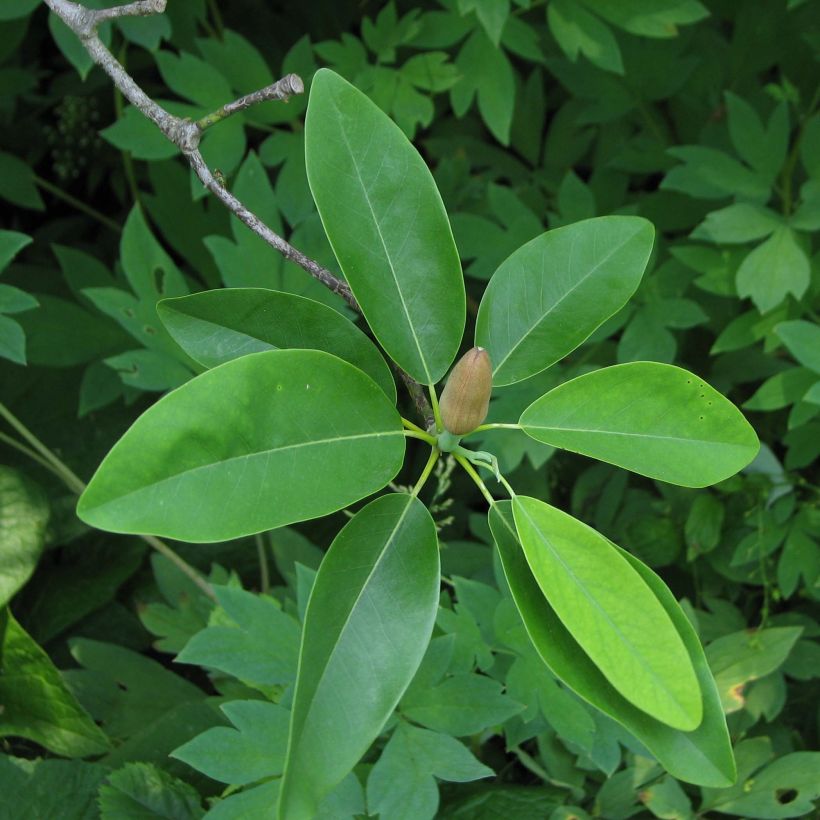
<point x="466" y="396"/>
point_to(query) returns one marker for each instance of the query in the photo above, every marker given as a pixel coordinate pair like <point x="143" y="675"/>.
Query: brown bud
<point x="466" y="395"/>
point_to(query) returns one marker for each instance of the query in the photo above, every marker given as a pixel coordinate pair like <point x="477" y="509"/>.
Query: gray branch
<point x="186" y="134"/>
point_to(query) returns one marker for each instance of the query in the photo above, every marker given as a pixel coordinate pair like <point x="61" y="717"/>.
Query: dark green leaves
<point x="653" y="419"/>
<point x="216" y="326"/>
<point x="36" y="702"/>
<point x="254" y="444"/>
<point x="703" y="756"/>
<point x="554" y="291"/>
<point x="611" y="613"/>
<point x="367" y="625"/>
<point x="387" y="225"/>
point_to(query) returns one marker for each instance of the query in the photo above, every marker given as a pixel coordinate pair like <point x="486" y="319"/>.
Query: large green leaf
<point x="24" y="513"/>
<point x="651" y="418"/>
<point x="367" y="626"/>
<point x="549" y="295"/>
<point x="387" y="225"/>
<point x="216" y="326"/>
<point x="703" y="756"/>
<point x="611" y="612"/>
<point x="253" y="444"/>
<point x="36" y="702"/>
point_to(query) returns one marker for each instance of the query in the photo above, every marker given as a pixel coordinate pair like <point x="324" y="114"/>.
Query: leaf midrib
<point x="557" y="304"/>
<point x="653" y="436"/>
<point x="384" y="248"/>
<point x="604" y="614"/>
<point x="210" y="465"/>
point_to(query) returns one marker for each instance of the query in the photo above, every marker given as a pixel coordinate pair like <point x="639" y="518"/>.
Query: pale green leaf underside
<point x="368" y="623"/>
<point x="553" y="292"/>
<point x="387" y="225"/>
<point x="703" y="756"/>
<point x="654" y="419"/>
<point x="216" y="326"/>
<point x="256" y="443"/>
<point x="611" y="612"/>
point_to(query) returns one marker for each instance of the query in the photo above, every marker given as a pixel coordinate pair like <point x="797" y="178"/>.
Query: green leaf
<point x="463" y="704"/>
<point x="387" y="225"/>
<point x="34" y="789"/>
<point x="11" y="243"/>
<point x="149" y="370"/>
<point x="255" y="749"/>
<point x="140" y="790"/>
<point x="252" y="640"/>
<point x="486" y="72"/>
<point x="256" y="443"/>
<point x="24" y="514"/>
<point x="36" y="702"/>
<point x="741" y="657"/>
<point x="401" y="784"/>
<point x="135" y="133"/>
<point x="14" y="300"/>
<point x="612" y="613"/>
<point x="738" y="223"/>
<point x="12" y="341"/>
<point x="788" y="787"/>
<point x="578" y="31"/>
<point x="703" y="756"/>
<point x="802" y="339"/>
<point x="367" y="626"/>
<point x="764" y="149"/>
<point x="17" y="184"/>
<point x="654" y="419"/>
<point x="14" y="9"/>
<point x="649" y="18"/>
<point x="773" y="270"/>
<point x="217" y="326"/>
<point x="553" y="292"/>
<point x="782" y="389"/>
<point x="711" y="174"/>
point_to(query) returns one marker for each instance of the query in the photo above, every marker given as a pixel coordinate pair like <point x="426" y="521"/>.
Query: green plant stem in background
<point x="495" y="426"/>
<point x="787" y="173"/>
<point x="77" y="203"/>
<point x="48" y="459"/>
<point x="264" y="571"/>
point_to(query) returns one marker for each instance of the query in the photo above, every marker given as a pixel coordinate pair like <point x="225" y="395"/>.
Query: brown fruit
<point x="466" y="396"/>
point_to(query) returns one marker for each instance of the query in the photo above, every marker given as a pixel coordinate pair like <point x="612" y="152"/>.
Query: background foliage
<point x="701" y="117"/>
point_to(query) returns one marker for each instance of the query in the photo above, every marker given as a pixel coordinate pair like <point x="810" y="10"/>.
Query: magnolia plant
<point x="295" y="417"/>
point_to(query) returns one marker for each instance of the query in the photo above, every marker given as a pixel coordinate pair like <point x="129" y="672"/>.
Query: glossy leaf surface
<point x="651" y="418"/>
<point x="367" y="626"/>
<point x="703" y="756"/>
<point x="254" y="444"/>
<point x="611" y="612"/>
<point x="216" y="326"/>
<point x="387" y="225"/>
<point x="551" y="293"/>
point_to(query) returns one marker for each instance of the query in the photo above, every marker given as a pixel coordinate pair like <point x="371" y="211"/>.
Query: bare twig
<point x="280" y="90"/>
<point x="186" y="134"/>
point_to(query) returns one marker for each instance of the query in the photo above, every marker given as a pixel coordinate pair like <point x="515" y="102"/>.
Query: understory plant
<point x="294" y="417"/>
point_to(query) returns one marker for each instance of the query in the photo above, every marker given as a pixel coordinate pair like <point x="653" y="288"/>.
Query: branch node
<point x="185" y="134"/>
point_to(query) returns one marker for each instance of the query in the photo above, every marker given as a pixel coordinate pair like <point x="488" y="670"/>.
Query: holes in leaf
<point x="785" y="796"/>
<point x="149" y="330"/>
<point x="159" y="280"/>
<point x="278" y="387"/>
<point x="128" y="312"/>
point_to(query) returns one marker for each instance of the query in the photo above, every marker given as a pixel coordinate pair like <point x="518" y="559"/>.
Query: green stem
<point x="78" y="204"/>
<point x="434" y="405"/>
<point x="411" y="426"/>
<point x="77" y="485"/>
<point x="494" y="426"/>
<point x="468" y="468"/>
<point x="72" y="481"/>
<point x="787" y="174"/>
<point x="264" y="572"/>
<point x="425" y="473"/>
<point x="506" y="485"/>
<point x="425" y="437"/>
<point x="12" y="442"/>
<point x="217" y="17"/>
